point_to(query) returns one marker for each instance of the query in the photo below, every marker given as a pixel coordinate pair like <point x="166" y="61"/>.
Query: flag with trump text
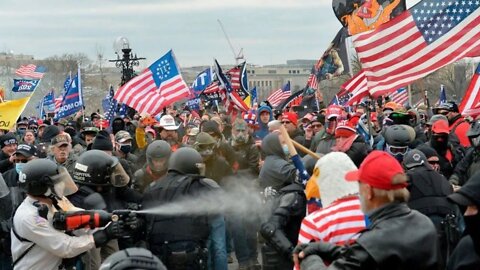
<point x="72" y="100"/>
<point x="160" y="85"/>
<point x="421" y="40"/>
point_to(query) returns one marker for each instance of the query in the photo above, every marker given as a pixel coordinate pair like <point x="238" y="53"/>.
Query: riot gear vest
<point x="166" y="229"/>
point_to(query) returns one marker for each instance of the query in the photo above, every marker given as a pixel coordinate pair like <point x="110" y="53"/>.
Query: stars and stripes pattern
<point x="30" y="71"/>
<point x="430" y="35"/>
<point x="156" y="87"/>
<point x="58" y="103"/>
<point x="399" y="96"/>
<point x="112" y="104"/>
<point x="470" y="104"/>
<point x="356" y="87"/>
<point x="233" y="101"/>
<point x="312" y="81"/>
<point x="280" y="95"/>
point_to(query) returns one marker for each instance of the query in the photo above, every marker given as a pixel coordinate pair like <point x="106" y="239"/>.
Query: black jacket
<point x="247" y="157"/>
<point x="464" y="256"/>
<point x="397" y="238"/>
<point x="5" y="163"/>
<point x="468" y="166"/>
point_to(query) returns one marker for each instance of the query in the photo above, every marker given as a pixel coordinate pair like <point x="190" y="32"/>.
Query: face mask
<point x="285" y="150"/>
<point x="125" y="148"/>
<point x="19" y="167"/>
<point x="21" y="131"/>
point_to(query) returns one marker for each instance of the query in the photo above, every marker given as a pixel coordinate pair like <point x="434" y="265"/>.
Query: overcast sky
<point x="269" y="31"/>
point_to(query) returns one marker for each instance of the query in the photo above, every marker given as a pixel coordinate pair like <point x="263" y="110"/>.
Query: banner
<point x="72" y="100"/>
<point x="203" y="79"/>
<point x="194" y="104"/>
<point x="24" y="85"/>
<point x="10" y="111"/>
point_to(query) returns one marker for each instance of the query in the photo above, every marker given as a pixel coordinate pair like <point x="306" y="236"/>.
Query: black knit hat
<point x="7" y="139"/>
<point x="102" y="141"/>
<point x="211" y="127"/>
<point x="49" y="133"/>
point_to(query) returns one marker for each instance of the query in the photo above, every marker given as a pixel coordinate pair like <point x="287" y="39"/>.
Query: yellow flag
<point x="10" y="111"/>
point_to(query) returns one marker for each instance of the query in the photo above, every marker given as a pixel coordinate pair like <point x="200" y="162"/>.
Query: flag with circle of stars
<point x="434" y="18"/>
<point x="164" y="69"/>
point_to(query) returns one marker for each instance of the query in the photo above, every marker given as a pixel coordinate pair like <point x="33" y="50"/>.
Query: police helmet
<point x="97" y="168"/>
<point x="186" y="161"/>
<point x="158" y="150"/>
<point x="132" y="258"/>
<point x="43" y="177"/>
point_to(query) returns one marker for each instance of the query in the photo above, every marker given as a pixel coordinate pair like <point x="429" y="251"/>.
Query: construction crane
<point x="238" y="56"/>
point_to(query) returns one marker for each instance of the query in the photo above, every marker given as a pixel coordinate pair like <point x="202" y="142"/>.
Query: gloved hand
<point x="131" y="221"/>
<point x="113" y="230"/>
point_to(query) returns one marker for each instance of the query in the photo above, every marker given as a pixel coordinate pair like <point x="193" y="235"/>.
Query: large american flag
<point x="430" y="35"/>
<point x="470" y="104"/>
<point x="30" y="71"/>
<point x="280" y="95"/>
<point x="399" y="96"/>
<point x="156" y="87"/>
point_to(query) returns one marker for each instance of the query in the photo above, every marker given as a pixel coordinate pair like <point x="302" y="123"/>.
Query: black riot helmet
<point x="158" y="152"/>
<point x="97" y="168"/>
<point x="186" y="160"/>
<point x="43" y="177"/>
<point x="473" y="134"/>
<point x="132" y="258"/>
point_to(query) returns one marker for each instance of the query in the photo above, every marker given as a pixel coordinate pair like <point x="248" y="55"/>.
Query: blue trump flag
<point x="202" y="80"/>
<point x="72" y="100"/>
<point x="49" y="102"/>
<point x="443" y="95"/>
<point x="24" y="85"/>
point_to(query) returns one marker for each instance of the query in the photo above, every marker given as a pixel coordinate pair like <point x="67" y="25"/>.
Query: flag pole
<point x="409" y="88"/>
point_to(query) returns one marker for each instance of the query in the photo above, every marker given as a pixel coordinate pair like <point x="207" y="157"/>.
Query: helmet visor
<point x="118" y="177"/>
<point x="402" y="150"/>
<point x="64" y="178"/>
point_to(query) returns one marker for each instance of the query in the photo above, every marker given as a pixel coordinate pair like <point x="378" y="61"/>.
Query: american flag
<point x="470" y="104"/>
<point x="312" y="80"/>
<point x="280" y="95"/>
<point x="232" y="99"/>
<point x="430" y="35"/>
<point x="212" y="88"/>
<point x="30" y="71"/>
<point x="238" y="80"/>
<point x="111" y="108"/>
<point x="356" y="87"/>
<point x="58" y="103"/>
<point x="156" y="87"/>
<point x="399" y="96"/>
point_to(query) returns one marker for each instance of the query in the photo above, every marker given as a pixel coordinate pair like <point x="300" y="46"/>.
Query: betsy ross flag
<point x="280" y="95"/>
<point x="430" y="35"/>
<point x="399" y="96"/>
<point x="470" y="104"/>
<point x="157" y="86"/>
<point x="30" y="71"/>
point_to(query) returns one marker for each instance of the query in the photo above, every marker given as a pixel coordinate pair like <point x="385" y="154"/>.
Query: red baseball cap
<point x="440" y="126"/>
<point x="290" y="116"/>
<point x="379" y="170"/>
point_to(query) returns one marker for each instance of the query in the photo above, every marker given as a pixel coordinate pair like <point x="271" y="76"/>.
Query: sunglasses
<point x="433" y="162"/>
<point x="443" y="113"/>
<point x="286" y="122"/>
<point x="20" y="161"/>
<point x="317" y="126"/>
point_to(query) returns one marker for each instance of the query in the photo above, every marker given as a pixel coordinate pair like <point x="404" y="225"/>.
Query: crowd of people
<point x="379" y="187"/>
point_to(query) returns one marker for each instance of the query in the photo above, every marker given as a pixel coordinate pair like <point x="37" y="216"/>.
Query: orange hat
<point x="380" y="170"/>
<point x="390" y="106"/>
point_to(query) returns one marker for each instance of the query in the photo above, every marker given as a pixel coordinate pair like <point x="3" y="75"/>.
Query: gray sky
<point x="269" y="31"/>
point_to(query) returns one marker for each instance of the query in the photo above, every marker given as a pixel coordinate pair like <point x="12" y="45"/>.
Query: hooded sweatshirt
<point x="263" y="128"/>
<point x="276" y="171"/>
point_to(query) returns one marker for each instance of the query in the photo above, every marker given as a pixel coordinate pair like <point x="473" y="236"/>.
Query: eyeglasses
<point x="286" y="122"/>
<point x="317" y="126"/>
<point x="20" y="160"/>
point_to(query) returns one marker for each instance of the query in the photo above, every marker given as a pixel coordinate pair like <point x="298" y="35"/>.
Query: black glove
<point x="131" y="221"/>
<point x="113" y="230"/>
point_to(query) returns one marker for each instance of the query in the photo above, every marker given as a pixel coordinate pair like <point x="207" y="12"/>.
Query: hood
<point x="271" y="146"/>
<point x="330" y="172"/>
<point x="117" y="125"/>
<point x="264" y="108"/>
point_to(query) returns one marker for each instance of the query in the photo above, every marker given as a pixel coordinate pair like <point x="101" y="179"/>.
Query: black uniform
<point x="178" y="240"/>
<point x="281" y="230"/>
